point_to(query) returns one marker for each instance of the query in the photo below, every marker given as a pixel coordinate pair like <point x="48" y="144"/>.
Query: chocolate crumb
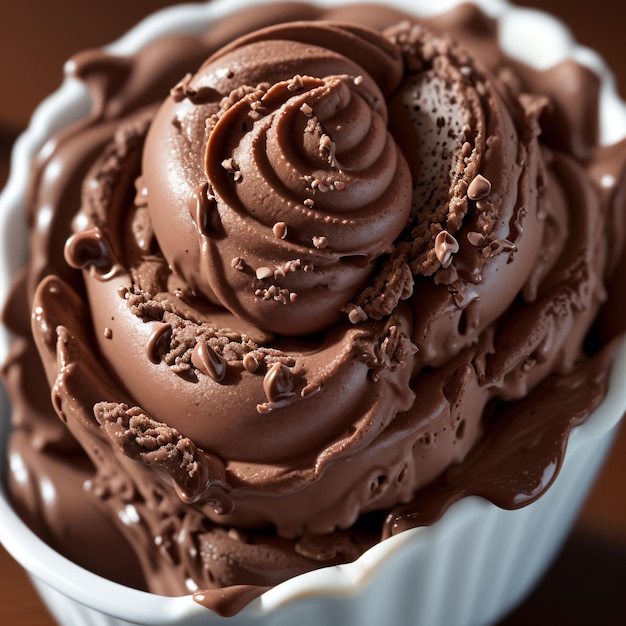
<point x="280" y="230"/>
<point x="357" y="314"/>
<point x="197" y="476"/>
<point x="320" y="242"/>
<point x="295" y="83"/>
<point x="230" y="166"/>
<point x="264" y="272"/>
<point x="237" y="263"/>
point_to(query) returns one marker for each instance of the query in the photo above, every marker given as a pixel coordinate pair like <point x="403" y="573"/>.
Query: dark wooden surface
<point x="587" y="582"/>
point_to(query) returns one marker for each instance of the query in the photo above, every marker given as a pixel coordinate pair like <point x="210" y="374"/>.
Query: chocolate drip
<point x="520" y="455"/>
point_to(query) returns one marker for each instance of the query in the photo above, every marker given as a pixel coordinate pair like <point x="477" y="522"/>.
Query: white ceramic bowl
<point x="469" y="568"/>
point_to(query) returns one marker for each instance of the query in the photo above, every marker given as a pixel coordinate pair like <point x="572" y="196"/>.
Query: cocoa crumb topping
<point x="320" y="242"/>
<point x="296" y="83"/>
<point x="280" y="230"/>
<point x="392" y="351"/>
<point x="327" y="146"/>
<point x="357" y="314"/>
<point x="274" y="292"/>
<point x="231" y="167"/>
<point x="174" y="337"/>
<point x="393" y="283"/>
<point x="237" y="263"/>
<point x="264" y="272"/>
<point x="196" y="475"/>
<point x="288" y="267"/>
<point x="396" y="348"/>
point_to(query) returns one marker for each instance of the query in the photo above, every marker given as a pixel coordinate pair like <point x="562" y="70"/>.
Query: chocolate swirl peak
<point x="286" y="185"/>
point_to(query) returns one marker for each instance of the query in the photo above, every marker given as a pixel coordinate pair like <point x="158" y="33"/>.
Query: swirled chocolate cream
<point x="299" y="283"/>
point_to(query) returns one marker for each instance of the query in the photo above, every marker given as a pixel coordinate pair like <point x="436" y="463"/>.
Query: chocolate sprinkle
<point x="159" y="336"/>
<point x="205" y="359"/>
<point x="278" y="383"/>
<point x="479" y="188"/>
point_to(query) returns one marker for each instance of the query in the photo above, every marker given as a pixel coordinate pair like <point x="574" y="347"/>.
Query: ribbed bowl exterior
<point x="458" y="572"/>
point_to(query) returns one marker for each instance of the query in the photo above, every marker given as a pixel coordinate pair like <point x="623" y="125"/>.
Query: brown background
<point x="587" y="584"/>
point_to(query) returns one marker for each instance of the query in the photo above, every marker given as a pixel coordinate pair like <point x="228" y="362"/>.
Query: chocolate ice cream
<point x="307" y="295"/>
